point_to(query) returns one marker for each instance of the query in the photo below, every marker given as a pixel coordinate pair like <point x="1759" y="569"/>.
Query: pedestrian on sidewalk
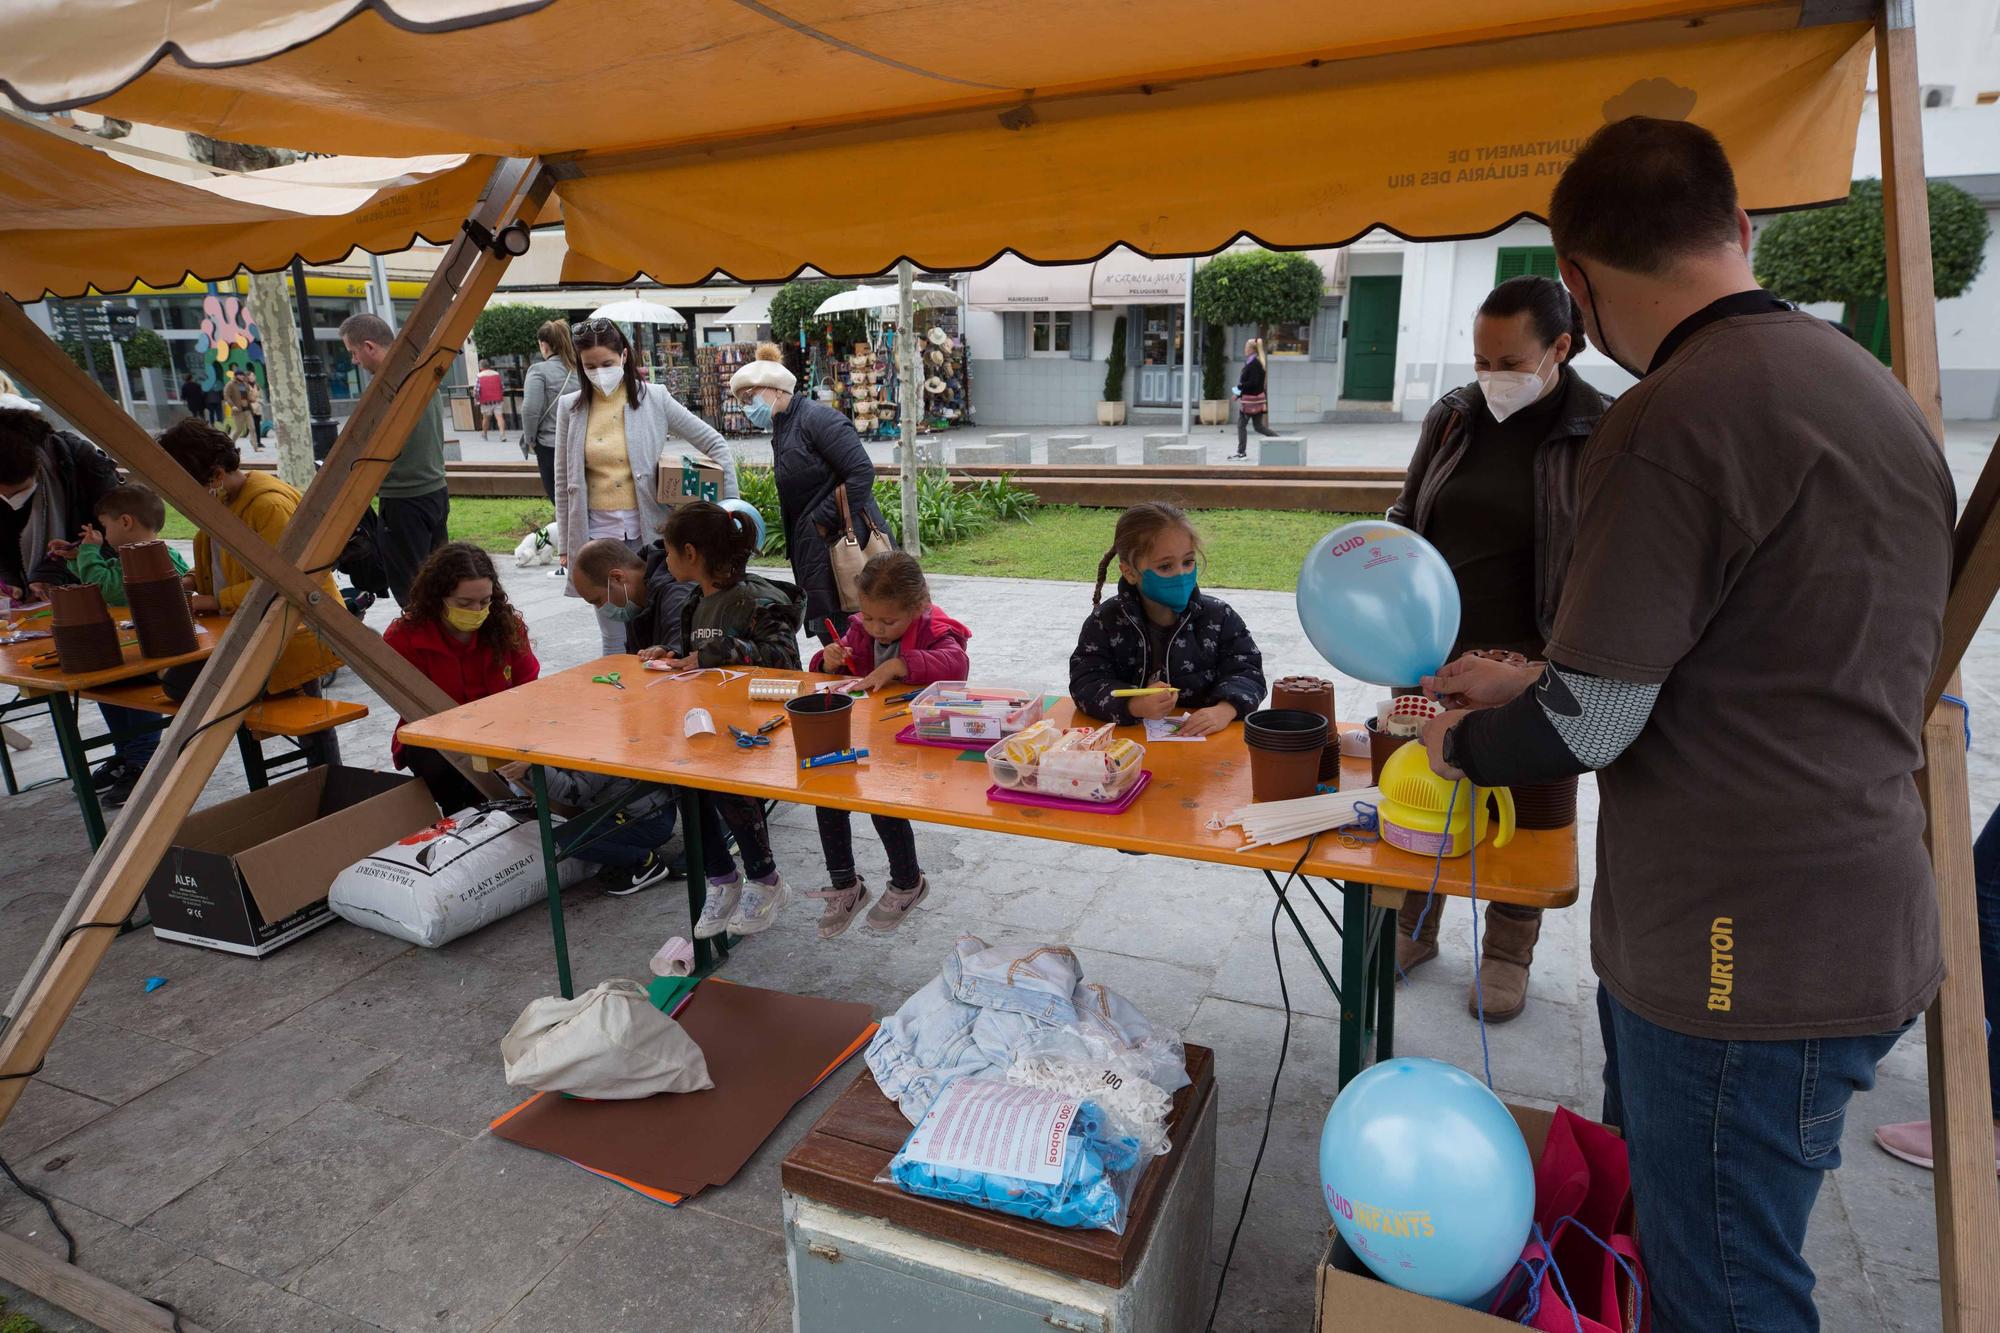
<point x="610" y="435"/>
<point x="413" y="499"/>
<point x="193" y="396"/>
<point x="548" y="380"/>
<point x="1252" y="406"/>
<point x="1764" y="925"/>
<point x="1492" y="485"/>
<point x="491" y="391"/>
<point x="236" y="397"/>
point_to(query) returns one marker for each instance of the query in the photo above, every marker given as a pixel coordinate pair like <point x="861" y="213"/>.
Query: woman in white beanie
<point x="609" y="438"/>
<point x="815" y="454"/>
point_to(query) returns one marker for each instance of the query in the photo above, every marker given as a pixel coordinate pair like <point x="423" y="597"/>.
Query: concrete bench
<point x="1060" y="447"/>
<point x="1100" y="455"/>
<point x="1183" y="455"/>
<point x="988" y="453"/>
<point x="1150" y="450"/>
<point x="1281" y="450"/>
<point x="292" y="716"/>
<point x="1013" y="448"/>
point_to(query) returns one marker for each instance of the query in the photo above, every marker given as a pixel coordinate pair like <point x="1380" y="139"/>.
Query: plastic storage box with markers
<point x="956" y="710"/>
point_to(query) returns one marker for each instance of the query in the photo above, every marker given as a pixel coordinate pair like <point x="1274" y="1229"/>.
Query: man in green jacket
<point x="415" y="506"/>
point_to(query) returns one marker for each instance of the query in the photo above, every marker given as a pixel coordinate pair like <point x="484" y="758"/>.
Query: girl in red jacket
<point x="459" y="630"/>
<point x="898" y="636"/>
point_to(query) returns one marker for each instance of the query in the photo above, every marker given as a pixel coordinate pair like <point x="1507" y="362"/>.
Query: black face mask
<point x="1604" y="343"/>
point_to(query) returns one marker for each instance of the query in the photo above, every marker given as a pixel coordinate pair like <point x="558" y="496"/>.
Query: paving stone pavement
<point x="298" y="1143"/>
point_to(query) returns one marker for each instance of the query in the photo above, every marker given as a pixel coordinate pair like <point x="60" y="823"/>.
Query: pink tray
<point x="1008" y="796"/>
<point x="908" y="736"/>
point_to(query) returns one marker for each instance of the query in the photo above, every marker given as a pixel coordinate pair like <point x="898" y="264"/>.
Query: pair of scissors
<point x="776" y="721"/>
<point x="746" y="740"/>
<point x="611" y="679"/>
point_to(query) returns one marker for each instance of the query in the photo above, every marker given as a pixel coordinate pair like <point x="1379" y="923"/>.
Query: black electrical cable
<point x="1271" y="1104"/>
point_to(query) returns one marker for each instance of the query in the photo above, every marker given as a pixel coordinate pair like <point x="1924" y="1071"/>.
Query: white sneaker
<point x="717" y="910"/>
<point x="758" y="906"/>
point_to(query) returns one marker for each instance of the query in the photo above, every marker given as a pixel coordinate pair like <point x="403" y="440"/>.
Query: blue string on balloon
<point x="1472" y="893"/>
<point x="1631" y="1275"/>
<point x="1430" y="894"/>
<point x="1562" y="1287"/>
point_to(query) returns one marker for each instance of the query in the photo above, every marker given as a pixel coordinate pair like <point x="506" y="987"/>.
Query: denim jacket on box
<point x="970" y="1018"/>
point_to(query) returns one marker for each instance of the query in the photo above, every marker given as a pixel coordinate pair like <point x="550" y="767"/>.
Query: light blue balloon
<point x="1379" y="602"/>
<point x="745" y="507"/>
<point x="1427" y="1178"/>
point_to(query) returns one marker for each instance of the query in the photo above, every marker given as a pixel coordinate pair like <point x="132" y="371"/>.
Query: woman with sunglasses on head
<point x="1493" y="486"/>
<point x="610" y="435"/>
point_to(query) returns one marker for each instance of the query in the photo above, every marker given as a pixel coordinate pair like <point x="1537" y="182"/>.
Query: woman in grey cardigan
<point x="609" y="438"/>
<point x="548" y="380"/>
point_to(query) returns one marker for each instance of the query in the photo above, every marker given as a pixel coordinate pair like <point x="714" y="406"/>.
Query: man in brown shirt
<point x="1752" y="612"/>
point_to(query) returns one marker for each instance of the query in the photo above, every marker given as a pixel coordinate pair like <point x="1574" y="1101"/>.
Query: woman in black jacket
<point x="1252" y="407"/>
<point x="1492" y="485"/>
<point x="815" y="455"/>
<point x="50" y="483"/>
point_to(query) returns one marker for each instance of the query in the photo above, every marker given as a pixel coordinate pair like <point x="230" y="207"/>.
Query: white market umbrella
<point x="635" y="311"/>
<point x="886" y="298"/>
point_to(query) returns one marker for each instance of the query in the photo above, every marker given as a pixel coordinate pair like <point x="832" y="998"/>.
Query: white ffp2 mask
<point x="607" y="379"/>
<point x="1508" y="391"/>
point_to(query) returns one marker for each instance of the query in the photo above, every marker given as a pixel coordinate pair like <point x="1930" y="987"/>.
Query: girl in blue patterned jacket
<point x="1160" y="630"/>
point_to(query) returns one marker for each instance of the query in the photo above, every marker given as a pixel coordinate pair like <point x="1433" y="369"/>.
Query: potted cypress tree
<point x="1111" y="411"/>
<point x="1214" y="394"/>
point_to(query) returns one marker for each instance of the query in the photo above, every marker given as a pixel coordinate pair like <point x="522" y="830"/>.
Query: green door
<point x="1372" y="304"/>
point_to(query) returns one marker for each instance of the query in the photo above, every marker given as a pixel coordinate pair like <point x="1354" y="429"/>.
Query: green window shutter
<point x="1868" y="320"/>
<point x="1518" y="260"/>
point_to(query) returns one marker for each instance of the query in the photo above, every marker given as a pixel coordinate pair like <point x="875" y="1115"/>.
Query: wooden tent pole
<point x="118" y="872"/>
<point x="1968" y="1207"/>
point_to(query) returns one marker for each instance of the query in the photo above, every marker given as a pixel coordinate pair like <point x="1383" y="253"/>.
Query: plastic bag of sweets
<point x="1025" y="1151"/>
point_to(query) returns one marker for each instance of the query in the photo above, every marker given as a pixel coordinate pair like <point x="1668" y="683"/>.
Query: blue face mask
<point x="617" y="612"/>
<point x="758" y="410"/>
<point x="1173" y="591"/>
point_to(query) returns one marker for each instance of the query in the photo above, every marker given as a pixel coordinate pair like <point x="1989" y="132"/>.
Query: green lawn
<point x="1247" y="548"/>
<point x="496" y="524"/>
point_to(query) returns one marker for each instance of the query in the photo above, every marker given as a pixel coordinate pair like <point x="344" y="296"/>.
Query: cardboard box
<point x="250" y="875"/>
<point x="1362" y="1300"/>
<point x="689" y="477"/>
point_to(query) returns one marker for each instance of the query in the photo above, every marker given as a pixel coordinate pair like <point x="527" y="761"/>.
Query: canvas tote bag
<point x="609" y="1042"/>
<point x="848" y="555"/>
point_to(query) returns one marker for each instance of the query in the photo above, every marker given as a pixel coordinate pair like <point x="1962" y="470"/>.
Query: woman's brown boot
<point x="1507" y="947"/>
<point x="1412" y="954"/>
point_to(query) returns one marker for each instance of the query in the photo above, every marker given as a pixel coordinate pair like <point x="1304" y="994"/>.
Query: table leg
<point x="62" y="711"/>
<point x="255" y="771"/>
<point x="1357" y="990"/>
<point x="1385" y="983"/>
<point x="551" y="866"/>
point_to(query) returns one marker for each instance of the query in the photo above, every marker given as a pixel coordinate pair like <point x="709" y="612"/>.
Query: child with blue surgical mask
<point x="1160" y="629"/>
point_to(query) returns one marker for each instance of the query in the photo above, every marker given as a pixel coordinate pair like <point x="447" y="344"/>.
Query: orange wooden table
<point x="566" y="720"/>
<point x="31" y="666"/>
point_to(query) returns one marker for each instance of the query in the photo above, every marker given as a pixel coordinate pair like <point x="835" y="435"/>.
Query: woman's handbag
<point x="609" y="1042"/>
<point x="848" y="555"/>
<point x="1252" y="404"/>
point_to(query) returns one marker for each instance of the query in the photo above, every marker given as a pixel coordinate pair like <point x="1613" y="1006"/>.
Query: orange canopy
<point x="704" y="136"/>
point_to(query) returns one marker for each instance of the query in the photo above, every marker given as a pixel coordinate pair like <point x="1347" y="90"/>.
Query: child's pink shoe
<point x="841" y="906"/>
<point x="895" y="904"/>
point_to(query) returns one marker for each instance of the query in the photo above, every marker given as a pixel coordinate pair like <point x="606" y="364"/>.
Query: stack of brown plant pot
<point x="1284" y="745"/>
<point x="1312" y="694"/>
<point x="86" y="639"/>
<point x="159" y="603"/>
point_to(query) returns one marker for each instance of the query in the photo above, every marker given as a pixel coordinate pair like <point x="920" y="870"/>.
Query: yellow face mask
<point x="465" y="622"/>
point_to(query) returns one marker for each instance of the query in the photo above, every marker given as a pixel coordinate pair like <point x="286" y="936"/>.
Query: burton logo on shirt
<point x="1721" y="963"/>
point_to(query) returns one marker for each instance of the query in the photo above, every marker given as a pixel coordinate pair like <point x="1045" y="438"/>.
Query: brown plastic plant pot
<point x="161" y="617"/>
<point x="76" y="605"/>
<point x="86" y="648"/>
<point x="821" y="723"/>
<point x="1283" y="775"/>
<point x="147" y="562"/>
<point x="1545" y="804"/>
<point x="1309" y="694"/>
<point x="1380" y="746"/>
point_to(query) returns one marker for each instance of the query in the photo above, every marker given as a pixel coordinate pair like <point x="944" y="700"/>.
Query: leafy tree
<point x="1114" y="365"/>
<point x="1839" y="253"/>
<point x="792" y="309"/>
<point x="510" y="330"/>
<point x="145" y="350"/>
<point x="1211" y="362"/>
<point x="1259" y="287"/>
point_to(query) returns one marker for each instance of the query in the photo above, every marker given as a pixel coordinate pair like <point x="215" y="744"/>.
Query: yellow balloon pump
<point x="1415" y="802"/>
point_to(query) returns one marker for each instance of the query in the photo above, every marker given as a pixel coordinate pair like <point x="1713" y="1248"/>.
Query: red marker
<point x="832" y="633"/>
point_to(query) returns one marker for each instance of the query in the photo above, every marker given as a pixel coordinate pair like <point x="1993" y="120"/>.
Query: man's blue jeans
<point x="1729" y="1141"/>
<point x="626" y="844"/>
<point x="1986" y="883"/>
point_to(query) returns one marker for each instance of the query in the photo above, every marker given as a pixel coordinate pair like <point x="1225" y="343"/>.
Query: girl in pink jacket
<point x="897" y="636"/>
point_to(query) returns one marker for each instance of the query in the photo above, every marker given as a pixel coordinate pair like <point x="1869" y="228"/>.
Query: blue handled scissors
<point x="746" y="740"/>
<point x="611" y="679"/>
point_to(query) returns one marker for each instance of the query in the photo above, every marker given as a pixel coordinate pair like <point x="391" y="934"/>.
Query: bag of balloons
<point x="1379" y="602"/>
<point x="1428" y="1179"/>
